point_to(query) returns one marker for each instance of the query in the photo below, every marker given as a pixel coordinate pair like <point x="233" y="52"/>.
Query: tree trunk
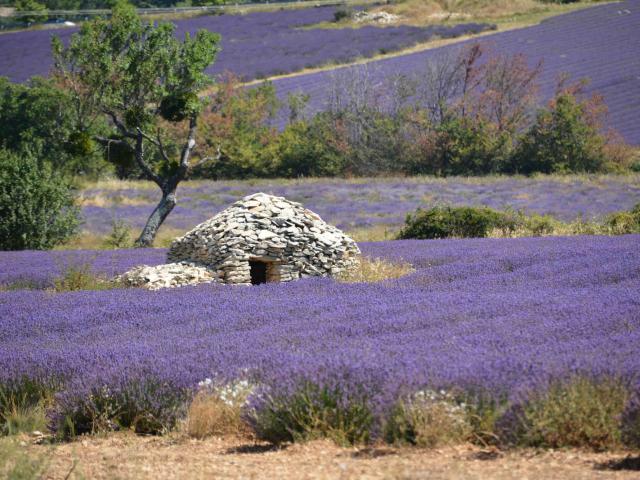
<point x="162" y="210"/>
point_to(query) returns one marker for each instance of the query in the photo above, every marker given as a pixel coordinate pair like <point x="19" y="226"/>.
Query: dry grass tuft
<point x="429" y="419"/>
<point x="424" y="12"/>
<point x="372" y="270"/>
<point x="166" y="235"/>
<point x="376" y="233"/>
<point x="210" y="415"/>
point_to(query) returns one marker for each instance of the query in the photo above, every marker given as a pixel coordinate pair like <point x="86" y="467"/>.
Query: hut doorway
<point x="258" y="272"/>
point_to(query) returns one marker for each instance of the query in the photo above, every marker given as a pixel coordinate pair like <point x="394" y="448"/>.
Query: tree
<point x="565" y="137"/>
<point x="448" y="80"/>
<point x="37" y="12"/>
<point x="140" y="78"/>
<point x="237" y="127"/>
<point x="38" y="117"/>
<point x="37" y="208"/>
<point x="507" y="92"/>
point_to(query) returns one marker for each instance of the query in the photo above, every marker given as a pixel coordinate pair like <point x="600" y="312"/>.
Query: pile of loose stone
<point x="292" y="240"/>
<point x="375" y="17"/>
<point x="168" y="275"/>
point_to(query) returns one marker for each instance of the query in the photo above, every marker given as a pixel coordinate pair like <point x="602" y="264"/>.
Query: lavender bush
<point x="496" y="318"/>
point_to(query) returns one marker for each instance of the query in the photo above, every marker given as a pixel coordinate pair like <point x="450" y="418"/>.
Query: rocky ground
<point x="127" y="456"/>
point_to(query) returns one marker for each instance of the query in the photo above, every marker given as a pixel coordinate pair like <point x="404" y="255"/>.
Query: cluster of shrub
<point x="477" y="222"/>
<point x="468" y="113"/>
<point x="465" y="115"/>
<point x="579" y="411"/>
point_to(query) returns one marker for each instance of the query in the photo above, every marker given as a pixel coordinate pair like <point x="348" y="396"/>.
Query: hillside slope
<point x="600" y="43"/>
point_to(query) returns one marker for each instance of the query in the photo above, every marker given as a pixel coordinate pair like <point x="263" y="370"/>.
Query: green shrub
<point x="342" y="13"/>
<point x="120" y="235"/>
<point x="236" y="131"/>
<point x="37" y="208"/>
<point x="581" y="413"/>
<point x="564" y="139"/>
<point x="464" y="147"/>
<point x="461" y="222"/>
<point x="621" y="223"/>
<point x="483" y="413"/>
<point x="428" y="419"/>
<point x="540" y="225"/>
<point x="22" y="406"/>
<point x="145" y="406"/>
<point x="81" y="277"/>
<point x="308" y="150"/>
<point x="314" y="412"/>
<point x="38" y="117"/>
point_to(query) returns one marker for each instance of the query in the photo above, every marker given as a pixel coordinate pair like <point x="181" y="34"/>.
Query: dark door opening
<point x="258" y="272"/>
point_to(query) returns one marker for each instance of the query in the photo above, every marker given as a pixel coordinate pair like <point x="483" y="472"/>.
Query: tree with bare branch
<point x="138" y="77"/>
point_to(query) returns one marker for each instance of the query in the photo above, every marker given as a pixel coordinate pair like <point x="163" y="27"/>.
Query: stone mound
<point x="263" y="238"/>
<point x="167" y="276"/>
<point x="385" y="18"/>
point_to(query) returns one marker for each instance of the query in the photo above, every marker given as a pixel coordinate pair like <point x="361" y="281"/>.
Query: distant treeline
<point x="34" y="5"/>
<point x="464" y="115"/>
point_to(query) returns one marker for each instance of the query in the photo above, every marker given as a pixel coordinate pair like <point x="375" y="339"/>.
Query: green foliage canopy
<point x="140" y="79"/>
<point x="461" y="222"/>
<point x="37" y="117"/>
<point x="133" y="71"/>
<point x="37" y="208"/>
<point x="563" y="139"/>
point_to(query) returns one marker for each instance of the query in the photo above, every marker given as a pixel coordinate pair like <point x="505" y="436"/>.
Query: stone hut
<point x="263" y="238"/>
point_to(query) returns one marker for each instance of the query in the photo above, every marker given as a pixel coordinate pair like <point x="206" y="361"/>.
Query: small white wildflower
<point x="205" y="383"/>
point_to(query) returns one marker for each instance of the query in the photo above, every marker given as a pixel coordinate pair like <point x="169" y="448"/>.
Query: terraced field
<point x="599" y="43"/>
<point x="254" y="45"/>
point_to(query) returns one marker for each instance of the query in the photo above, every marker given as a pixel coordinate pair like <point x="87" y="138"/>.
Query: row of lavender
<point x="503" y="317"/>
<point x="360" y="205"/>
<point x="597" y="43"/>
<point x="254" y="45"/>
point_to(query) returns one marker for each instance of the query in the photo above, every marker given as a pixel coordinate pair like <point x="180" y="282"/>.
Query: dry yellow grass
<point x="126" y="456"/>
<point x="375" y="270"/>
<point x="209" y="415"/>
<point x="503" y="12"/>
<point x="376" y="233"/>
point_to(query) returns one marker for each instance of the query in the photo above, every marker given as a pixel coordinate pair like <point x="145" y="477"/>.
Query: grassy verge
<point x="17" y="463"/>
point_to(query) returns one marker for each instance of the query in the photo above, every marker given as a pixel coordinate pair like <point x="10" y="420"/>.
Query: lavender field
<point x="598" y="43"/>
<point x="501" y="316"/>
<point x="254" y="45"/>
<point x="365" y="203"/>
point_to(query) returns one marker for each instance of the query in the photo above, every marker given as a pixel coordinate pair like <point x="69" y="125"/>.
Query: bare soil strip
<point x="126" y="456"/>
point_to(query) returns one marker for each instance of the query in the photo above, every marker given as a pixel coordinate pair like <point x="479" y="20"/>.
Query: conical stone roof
<point x="294" y="241"/>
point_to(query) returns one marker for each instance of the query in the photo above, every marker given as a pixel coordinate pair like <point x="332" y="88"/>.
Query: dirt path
<point x="126" y="456"/>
